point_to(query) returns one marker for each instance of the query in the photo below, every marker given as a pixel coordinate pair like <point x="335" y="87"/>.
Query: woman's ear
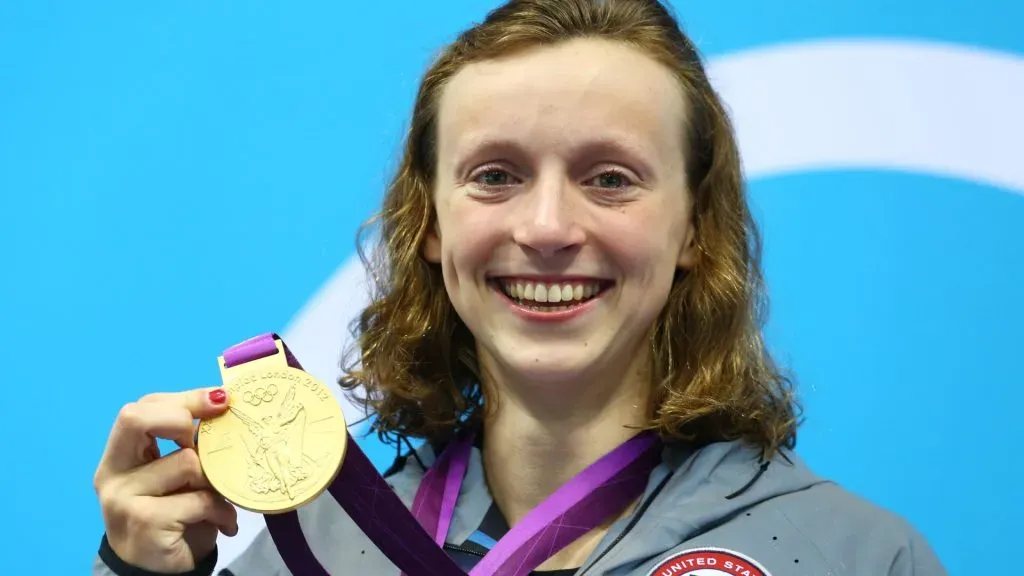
<point x="431" y="249"/>
<point x="688" y="252"/>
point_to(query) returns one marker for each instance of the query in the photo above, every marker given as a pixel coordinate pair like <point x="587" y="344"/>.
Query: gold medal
<point x="280" y="443"/>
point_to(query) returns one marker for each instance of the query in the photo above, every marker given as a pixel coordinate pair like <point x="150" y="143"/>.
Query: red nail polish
<point x="218" y="396"/>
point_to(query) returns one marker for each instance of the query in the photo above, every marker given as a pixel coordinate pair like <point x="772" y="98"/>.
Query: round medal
<point x="280" y="443"/>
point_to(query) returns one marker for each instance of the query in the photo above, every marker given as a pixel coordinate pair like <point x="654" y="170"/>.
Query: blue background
<point x="175" y="177"/>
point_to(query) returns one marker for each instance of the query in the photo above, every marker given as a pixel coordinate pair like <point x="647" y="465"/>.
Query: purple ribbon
<point x="413" y="540"/>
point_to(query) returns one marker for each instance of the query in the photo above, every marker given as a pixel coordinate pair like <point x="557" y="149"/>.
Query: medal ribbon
<point x="414" y="540"/>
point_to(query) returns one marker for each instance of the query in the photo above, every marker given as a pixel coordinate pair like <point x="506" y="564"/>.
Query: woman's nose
<point x="548" y="221"/>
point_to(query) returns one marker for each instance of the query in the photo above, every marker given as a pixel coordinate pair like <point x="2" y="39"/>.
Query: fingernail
<point x="218" y="396"/>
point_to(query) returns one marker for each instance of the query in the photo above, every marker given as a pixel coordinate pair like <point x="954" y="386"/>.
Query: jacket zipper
<point x="464" y="550"/>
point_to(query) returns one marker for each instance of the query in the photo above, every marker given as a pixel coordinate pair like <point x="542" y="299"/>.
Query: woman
<point x="566" y="258"/>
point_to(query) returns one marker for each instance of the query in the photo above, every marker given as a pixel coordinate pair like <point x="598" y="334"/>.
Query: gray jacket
<point x="717" y="510"/>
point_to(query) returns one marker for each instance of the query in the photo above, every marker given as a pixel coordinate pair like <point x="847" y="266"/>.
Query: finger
<point x="201" y="402"/>
<point x="180" y="470"/>
<point x="170" y="416"/>
<point x="201" y="506"/>
<point x="154" y="451"/>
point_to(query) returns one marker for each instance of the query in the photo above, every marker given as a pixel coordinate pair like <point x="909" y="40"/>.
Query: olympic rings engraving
<point x="260" y="395"/>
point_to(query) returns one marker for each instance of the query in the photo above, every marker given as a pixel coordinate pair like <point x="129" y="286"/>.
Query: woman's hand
<point x="160" y="513"/>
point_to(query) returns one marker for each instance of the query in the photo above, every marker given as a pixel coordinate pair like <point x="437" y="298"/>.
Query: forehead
<point x="584" y="88"/>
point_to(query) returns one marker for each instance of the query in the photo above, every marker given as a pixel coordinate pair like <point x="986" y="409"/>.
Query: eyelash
<point x="489" y="170"/>
<point x="627" y="181"/>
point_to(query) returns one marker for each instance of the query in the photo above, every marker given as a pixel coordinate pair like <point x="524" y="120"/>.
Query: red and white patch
<point x="708" y="562"/>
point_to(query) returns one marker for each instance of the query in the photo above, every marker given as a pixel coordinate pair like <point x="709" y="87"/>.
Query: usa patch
<point x="708" y="562"/>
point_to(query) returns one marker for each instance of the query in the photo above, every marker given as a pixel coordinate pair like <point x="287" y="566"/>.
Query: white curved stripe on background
<point x="938" y="109"/>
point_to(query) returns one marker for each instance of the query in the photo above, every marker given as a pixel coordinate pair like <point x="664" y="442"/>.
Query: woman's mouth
<point x="550" y="297"/>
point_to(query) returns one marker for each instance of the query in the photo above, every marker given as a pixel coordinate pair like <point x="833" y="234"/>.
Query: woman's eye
<point x="611" y="179"/>
<point x="494" y="177"/>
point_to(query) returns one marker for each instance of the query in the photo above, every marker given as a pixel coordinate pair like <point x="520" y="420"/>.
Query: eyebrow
<point x="637" y="155"/>
<point x="477" y="148"/>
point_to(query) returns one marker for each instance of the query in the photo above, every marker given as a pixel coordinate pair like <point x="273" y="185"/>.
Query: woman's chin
<point x="561" y="363"/>
<point x="551" y="366"/>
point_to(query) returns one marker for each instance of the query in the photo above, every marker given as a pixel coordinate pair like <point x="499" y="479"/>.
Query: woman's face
<point x="562" y="210"/>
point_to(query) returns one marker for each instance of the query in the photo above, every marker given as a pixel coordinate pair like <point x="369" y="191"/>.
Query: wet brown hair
<point x="713" y="378"/>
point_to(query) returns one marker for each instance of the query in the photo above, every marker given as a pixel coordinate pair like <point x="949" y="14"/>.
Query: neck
<point x="537" y="438"/>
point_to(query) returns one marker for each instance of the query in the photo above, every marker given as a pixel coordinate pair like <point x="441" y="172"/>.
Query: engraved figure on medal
<point x="272" y="463"/>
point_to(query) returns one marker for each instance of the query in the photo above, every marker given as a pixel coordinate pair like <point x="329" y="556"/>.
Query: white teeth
<point x="550" y="293"/>
<point x="566" y="293"/>
<point x="554" y="294"/>
<point x="540" y="293"/>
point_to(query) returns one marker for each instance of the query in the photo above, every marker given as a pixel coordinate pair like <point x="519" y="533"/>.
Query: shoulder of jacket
<point x="855" y="535"/>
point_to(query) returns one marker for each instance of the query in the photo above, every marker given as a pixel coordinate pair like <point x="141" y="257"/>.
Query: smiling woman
<point x="568" y="287"/>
